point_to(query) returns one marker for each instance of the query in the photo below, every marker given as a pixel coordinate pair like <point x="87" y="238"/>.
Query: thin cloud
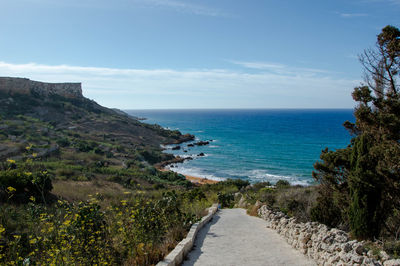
<point x="176" y="5"/>
<point x="353" y="15"/>
<point x="258" y="65"/>
<point x="204" y="88"/>
<point x="185" y="7"/>
<point x="279" y="68"/>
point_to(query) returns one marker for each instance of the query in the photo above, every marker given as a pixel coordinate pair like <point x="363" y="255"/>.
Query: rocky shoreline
<point x="179" y="159"/>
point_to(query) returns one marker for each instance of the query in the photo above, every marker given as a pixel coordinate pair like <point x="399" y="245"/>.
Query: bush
<point x="64" y="142"/>
<point x="133" y="231"/>
<point x="282" y="184"/>
<point x="239" y="183"/>
<point x="326" y="212"/>
<point x="22" y="182"/>
<point x="151" y="157"/>
<point x="85" y="146"/>
<point x="393" y="248"/>
<point x="267" y="195"/>
<point x="226" y="199"/>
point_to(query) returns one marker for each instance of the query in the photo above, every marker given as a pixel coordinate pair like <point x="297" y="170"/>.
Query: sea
<point x="254" y="145"/>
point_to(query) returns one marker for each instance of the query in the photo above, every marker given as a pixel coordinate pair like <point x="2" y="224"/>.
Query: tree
<point x="363" y="180"/>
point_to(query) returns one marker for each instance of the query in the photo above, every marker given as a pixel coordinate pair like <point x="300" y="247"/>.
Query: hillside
<point x="60" y="110"/>
<point x="78" y="183"/>
<point x="74" y="136"/>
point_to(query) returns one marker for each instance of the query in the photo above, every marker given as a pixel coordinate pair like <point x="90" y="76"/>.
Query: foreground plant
<point x="136" y="231"/>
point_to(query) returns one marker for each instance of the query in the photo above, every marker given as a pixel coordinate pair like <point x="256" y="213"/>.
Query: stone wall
<point x="323" y="245"/>
<point x="178" y="254"/>
<point x="27" y="86"/>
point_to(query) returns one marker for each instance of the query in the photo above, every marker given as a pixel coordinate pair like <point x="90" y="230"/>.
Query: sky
<point x="172" y="54"/>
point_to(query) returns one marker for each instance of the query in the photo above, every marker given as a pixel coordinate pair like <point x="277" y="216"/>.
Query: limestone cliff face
<point x="27" y="86"/>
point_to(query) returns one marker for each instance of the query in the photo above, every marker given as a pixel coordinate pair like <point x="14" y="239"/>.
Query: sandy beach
<point x="199" y="180"/>
<point x="194" y="179"/>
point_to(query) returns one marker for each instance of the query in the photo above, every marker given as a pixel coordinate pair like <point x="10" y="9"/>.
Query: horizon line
<point x="222" y="108"/>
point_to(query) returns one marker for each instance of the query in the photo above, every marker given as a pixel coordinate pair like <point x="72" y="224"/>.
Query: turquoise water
<point x="256" y="145"/>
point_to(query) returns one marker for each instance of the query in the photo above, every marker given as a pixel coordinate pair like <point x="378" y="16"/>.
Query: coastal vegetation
<point x="360" y="185"/>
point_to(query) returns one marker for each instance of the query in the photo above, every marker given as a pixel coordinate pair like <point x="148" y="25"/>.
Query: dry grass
<point x="75" y="191"/>
<point x="253" y="210"/>
<point x="298" y="201"/>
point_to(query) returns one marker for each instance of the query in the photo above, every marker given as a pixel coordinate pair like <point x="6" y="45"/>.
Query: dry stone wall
<point x="323" y="245"/>
<point x="43" y="89"/>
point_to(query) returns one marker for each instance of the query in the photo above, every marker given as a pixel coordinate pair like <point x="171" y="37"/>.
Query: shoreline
<point x="193" y="179"/>
<point x="200" y="180"/>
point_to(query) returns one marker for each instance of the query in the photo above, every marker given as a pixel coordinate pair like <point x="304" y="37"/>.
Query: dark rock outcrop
<point x="202" y="143"/>
<point x="184" y="138"/>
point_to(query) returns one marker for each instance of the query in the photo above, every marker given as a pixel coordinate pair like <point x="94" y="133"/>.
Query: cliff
<point x="26" y="86"/>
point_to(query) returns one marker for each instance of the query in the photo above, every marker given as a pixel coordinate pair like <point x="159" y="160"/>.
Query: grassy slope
<point x="101" y="165"/>
<point x="77" y="139"/>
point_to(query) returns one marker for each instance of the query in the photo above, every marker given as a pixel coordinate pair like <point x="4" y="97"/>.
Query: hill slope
<point x="75" y="137"/>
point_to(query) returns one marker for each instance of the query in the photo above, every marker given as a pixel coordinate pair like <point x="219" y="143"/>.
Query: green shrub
<point x="392" y="248"/>
<point x="22" y="182"/>
<point x="239" y="183"/>
<point x="282" y="184"/>
<point x="325" y="211"/>
<point x="64" y="142"/>
<point x="261" y="185"/>
<point x="226" y="199"/>
<point x="85" y="146"/>
<point x="267" y="195"/>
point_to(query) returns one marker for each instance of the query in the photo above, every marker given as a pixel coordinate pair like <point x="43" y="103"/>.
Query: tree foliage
<point x="362" y="181"/>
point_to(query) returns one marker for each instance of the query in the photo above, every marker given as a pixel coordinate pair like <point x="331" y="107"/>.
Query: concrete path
<point x="234" y="238"/>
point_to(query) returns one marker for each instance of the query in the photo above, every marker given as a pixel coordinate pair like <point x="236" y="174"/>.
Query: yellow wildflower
<point x="32" y="198"/>
<point x="11" y="189"/>
<point x="10" y="161"/>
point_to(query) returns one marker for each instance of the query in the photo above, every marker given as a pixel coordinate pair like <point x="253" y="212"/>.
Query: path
<point x="235" y="238"/>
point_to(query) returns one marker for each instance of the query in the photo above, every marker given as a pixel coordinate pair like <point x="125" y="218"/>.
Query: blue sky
<point x="139" y="54"/>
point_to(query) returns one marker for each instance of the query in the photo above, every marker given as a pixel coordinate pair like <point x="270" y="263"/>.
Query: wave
<point x="194" y="171"/>
<point x="264" y="175"/>
<point x="254" y="176"/>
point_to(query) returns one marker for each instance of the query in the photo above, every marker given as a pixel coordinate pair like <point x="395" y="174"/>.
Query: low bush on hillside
<point x="19" y="183"/>
<point x="295" y="201"/>
<point x="137" y="230"/>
